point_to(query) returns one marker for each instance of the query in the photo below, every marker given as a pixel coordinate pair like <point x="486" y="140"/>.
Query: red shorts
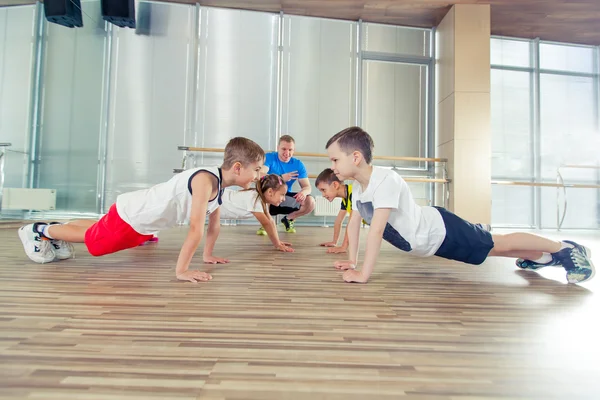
<point x="112" y="234"/>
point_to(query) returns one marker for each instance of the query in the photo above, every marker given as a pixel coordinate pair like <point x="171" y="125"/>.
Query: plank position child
<point x="270" y="190"/>
<point x="136" y="216"/>
<point x="331" y="187"/>
<point x="383" y="199"/>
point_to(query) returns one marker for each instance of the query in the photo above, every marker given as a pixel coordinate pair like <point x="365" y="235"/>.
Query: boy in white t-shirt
<point x="269" y="191"/>
<point x="383" y="199"/>
<point x="137" y="216"/>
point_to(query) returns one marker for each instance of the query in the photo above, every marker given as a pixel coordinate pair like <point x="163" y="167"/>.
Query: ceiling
<point x="571" y="21"/>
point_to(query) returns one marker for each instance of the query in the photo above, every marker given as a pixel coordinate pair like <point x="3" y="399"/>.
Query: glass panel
<point x="71" y="118"/>
<point x="17" y="47"/>
<point x="511" y="124"/>
<point x="396" y="39"/>
<point x="238" y="79"/>
<point x="513" y="53"/>
<point x="318" y="83"/>
<point x="583" y="208"/>
<point x="151" y="77"/>
<point x="568" y="125"/>
<point x="394" y="109"/>
<point x="512" y="205"/>
<point x="567" y="58"/>
<point x="569" y="136"/>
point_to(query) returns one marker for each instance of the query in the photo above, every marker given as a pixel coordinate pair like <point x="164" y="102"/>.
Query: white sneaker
<point x="62" y="249"/>
<point x="37" y="248"/>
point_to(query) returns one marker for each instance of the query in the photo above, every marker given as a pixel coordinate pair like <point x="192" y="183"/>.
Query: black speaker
<point x="119" y="12"/>
<point x="64" y="12"/>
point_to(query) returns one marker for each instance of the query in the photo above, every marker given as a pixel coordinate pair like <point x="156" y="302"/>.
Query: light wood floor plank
<point x="285" y="326"/>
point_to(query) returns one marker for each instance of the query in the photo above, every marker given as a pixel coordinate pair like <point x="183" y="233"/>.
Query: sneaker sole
<point x="24" y="239"/>
<point x="57" y="258"/>
<point x="588" y="253"/>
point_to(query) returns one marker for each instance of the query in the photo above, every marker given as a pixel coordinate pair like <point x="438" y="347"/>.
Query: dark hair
<point x="286" y="138"/>
<point x="242" y="150"/>
<point x="354" y="139"/>
<point x="327" y="176"/>
<point x="270" y="181"/>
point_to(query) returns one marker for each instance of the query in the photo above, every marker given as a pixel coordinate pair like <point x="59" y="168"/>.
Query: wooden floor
<point x="285" y="326"/>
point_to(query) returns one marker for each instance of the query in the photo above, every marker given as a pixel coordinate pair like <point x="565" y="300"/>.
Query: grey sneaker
<point x="37" y="248"/>
<point x="577" y="262"/>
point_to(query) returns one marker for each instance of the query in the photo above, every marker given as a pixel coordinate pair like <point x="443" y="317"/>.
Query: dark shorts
<point x="464" y="241"/>
<point x="288" y="206"/>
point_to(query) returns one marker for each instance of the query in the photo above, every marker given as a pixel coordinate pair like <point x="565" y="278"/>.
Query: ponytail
<point x="270" y="181"/>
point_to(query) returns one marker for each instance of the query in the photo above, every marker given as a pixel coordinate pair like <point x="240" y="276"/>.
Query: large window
<point x="544" y="116"/>
<point x="110" y="105"/>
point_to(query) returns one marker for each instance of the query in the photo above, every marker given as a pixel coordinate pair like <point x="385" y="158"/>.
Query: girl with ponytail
<point x="244" y="204"/>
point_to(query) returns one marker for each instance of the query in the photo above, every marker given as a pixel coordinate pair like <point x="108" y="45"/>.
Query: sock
<point x="45" y="231"/>
<point x="544" y="259"/>
<point x="564" y="245"/>
<point x="40" y="228"/>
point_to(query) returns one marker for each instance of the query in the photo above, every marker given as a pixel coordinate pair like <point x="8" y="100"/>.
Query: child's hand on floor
<point x="352" y="275"/>
<point x="344" y="264"/>
<point x="327" y="244"/>
<point x="336" y="250"/>
<point x="215" y="260"/>
<point x="194" y="276"/>
<point x="285" y="247"/>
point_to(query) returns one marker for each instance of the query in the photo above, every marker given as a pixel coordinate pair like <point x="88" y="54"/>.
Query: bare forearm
<point x="306" y="190"/>
<point x="211" y="239"/>
<point x="371" y="252"/>
<point x="345" y="242"/>
<point x="187" y="252"/>
<point x="272" y="233"/>
<point x="353" y="238"/>
<point x="337" y="227"/>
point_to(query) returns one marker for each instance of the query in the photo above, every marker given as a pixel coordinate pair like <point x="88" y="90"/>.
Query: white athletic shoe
<point x="37" y="248"/>
<point x="62" y="249"/>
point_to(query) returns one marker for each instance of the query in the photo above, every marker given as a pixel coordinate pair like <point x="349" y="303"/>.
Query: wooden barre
<point x="407" y="179"/>
<point x="556" y="185"/>
<point x="580" y="166"/>
<point x="304" y="154"/>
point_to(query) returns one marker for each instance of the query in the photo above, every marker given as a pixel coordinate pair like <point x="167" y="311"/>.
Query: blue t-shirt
<point x="276" y="166"/>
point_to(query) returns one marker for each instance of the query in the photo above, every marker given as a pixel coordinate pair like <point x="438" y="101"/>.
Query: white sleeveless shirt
<point x="240" y="204"/>
<point x="164" y="205"/>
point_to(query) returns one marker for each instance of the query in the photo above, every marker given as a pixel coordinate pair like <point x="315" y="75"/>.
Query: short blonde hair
<point x="242" y="150"/>
<point x="286" y="138"/>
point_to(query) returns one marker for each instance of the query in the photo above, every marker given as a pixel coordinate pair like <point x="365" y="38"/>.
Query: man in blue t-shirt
<point x="291" y="169"/>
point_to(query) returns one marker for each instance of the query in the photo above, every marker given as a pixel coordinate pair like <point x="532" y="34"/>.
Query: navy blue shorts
<point x="464" y="241"/>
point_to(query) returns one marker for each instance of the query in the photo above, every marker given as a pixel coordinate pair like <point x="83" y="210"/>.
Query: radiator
<point x="324" y="208"/>
<point x="28" y="199"/>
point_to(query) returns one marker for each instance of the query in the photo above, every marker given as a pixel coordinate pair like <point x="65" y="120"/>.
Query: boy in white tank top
<point x="137" y="216"/>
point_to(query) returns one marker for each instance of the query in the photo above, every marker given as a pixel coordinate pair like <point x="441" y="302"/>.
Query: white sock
<point x="544" y="259"/>
<point x="564" y="245"/>
<point x="45" y="231"/>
